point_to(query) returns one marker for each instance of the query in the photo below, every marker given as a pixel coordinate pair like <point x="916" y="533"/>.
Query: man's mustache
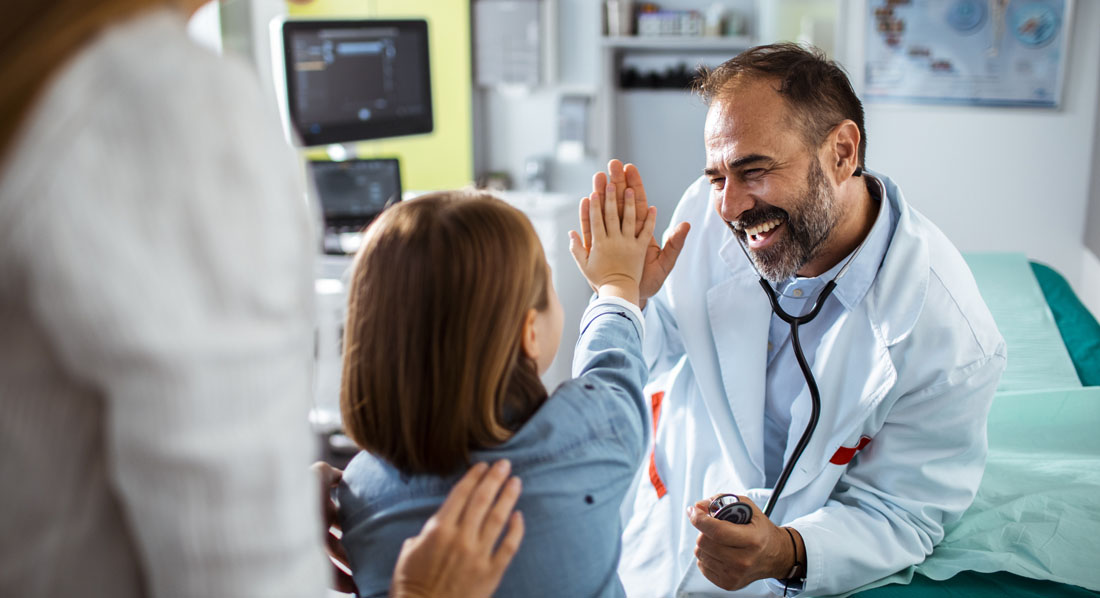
<point x="756" y="216"/>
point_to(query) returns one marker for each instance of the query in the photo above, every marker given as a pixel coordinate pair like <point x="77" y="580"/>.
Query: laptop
<point x="352" y="193"/>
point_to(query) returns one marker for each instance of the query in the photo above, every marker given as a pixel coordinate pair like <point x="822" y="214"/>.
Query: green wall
<point x="442" y="159"/>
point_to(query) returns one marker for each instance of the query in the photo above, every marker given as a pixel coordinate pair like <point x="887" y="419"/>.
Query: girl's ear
<point x="530" y="337"/>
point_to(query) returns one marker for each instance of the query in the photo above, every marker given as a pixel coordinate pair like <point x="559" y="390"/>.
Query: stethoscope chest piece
<point x="728" y="507"/>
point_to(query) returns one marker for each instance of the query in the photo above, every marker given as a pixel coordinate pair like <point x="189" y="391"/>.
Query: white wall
<point x="1001" y="178"/>
<point x="514" y="125"/>
<point x="517" y="125"/>
<point x="1089" y="289"/>
<point x="660" y="131"/>
<point x="1090" y="275"/>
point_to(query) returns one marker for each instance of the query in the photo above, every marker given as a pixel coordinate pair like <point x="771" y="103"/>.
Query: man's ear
<point x="843" y="149"/>
<point x="530" y="336"/>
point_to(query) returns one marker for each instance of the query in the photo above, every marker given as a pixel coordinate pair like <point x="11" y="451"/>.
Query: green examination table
<point x="1034" y="528"/>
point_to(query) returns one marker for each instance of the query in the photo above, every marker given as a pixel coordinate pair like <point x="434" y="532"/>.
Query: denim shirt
<point x="576" y="456"/>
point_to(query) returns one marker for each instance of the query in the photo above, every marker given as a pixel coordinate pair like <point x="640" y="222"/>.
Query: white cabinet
<point x="660" y="130"/>
<point x="553" y="216"/>
<point x="330" y="304"/>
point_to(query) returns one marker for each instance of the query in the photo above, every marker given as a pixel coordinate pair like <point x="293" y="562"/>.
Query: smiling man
<point x="903" y="351"/>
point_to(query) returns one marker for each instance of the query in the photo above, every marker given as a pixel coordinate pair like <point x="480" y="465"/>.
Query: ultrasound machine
<point x="344" y="81"/>
<point x="339" y="82"/>
<point x="352" y="193"/>
<point x="356" y="80"/>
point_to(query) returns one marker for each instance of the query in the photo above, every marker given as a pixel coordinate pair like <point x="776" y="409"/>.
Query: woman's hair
<point x="37" y="37"/>
<point x="433" y="361"/>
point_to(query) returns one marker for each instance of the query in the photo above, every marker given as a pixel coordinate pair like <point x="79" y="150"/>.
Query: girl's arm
<point x="608" y="360"/>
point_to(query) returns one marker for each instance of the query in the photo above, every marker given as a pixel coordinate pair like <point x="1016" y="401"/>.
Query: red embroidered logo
<point x="654" y="477"/>
<point x="844" y="455"/>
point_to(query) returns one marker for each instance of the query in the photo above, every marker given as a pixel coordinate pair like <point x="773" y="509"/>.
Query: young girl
<point x="452" y="316"/>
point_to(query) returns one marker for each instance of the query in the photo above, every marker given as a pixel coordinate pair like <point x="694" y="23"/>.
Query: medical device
<point x="352" y="193"/>
<point x="728" y="507"/>
<point x="811" y="382"/>
<point x="352" y="80"/>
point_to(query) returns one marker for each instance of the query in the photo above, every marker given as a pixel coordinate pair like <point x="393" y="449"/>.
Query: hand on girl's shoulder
<point x="457" y="553"/>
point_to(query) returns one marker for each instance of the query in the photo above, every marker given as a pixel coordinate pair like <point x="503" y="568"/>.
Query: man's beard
<point x="808" y="227"/>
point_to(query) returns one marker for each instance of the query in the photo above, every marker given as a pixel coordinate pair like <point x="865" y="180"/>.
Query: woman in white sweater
<point x="155" y="320"/>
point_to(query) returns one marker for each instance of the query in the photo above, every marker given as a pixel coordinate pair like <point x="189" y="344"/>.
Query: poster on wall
<point x="976" y="52"/>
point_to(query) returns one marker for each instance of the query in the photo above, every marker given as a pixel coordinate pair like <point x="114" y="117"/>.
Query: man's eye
<point x="752" y="173"/>
<point x="717" y="183"/>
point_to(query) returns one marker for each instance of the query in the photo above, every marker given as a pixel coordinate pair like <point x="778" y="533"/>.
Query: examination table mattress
<point x="1034" y="527"/>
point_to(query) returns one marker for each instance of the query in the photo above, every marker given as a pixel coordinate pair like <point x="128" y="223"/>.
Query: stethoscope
<point x="727" y="507"/>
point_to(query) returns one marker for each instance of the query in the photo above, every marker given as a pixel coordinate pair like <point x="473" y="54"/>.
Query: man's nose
<point x="732" y="201"/>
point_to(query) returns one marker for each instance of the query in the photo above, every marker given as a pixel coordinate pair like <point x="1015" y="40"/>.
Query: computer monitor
<point x="352" y="193"/>
<point x="353" y="80"/>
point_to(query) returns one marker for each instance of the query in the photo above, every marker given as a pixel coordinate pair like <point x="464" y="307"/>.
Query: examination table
<point x="1034" y="528"/>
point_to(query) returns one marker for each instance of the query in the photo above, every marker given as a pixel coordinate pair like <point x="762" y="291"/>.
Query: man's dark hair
<point x="816" y="89"/>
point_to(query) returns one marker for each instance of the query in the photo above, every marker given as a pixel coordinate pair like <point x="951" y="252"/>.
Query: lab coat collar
<point x="851" y="289"/>
<point x="896" y="298"/>
<point x="734" y="257"/>
<point x="739" y="315"/>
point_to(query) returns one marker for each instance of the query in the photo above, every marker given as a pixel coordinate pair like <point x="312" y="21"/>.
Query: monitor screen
<point x="355" y="80"/>
<point x="352" y="193"/>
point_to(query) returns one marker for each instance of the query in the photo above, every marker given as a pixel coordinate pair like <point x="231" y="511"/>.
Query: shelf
<point x="655" y="91"/>
<point x="683" y="44"/>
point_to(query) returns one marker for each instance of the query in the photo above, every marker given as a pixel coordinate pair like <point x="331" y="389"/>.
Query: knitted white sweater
<point x="155" y="333"/>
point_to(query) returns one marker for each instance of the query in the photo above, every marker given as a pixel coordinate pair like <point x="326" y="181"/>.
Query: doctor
<point x="904" y="352"/>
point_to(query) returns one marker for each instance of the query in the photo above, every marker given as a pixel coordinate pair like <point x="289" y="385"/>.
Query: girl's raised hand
<point x="614" y="263"/>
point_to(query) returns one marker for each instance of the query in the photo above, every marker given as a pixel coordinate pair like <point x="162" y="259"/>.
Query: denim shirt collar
<point x="852" y="288"/>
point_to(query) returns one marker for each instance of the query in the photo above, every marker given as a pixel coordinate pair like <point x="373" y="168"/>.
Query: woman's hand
<point x="330" y="478"/>
<point x="453" y="555"/>
<point x="616" y="259"/>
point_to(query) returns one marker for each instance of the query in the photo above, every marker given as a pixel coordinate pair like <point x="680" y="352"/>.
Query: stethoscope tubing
<point x="811" y="382"/>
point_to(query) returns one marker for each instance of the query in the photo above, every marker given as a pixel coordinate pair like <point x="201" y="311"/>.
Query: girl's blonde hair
<point x="433" y="361"/>
<point x="37" y="37"/>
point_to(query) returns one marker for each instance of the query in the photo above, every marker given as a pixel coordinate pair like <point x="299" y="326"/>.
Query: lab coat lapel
<point x="739" y="317"/>
<point x="854" y="372"/>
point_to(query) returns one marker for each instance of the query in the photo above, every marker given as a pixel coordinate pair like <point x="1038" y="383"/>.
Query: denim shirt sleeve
<point x="608" y="364"/>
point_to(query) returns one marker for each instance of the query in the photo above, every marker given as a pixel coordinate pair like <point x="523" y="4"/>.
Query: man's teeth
<point x="762" y="228"/>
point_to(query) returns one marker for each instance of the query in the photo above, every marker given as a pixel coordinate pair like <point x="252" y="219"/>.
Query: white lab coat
<point x="913" y="367"/>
